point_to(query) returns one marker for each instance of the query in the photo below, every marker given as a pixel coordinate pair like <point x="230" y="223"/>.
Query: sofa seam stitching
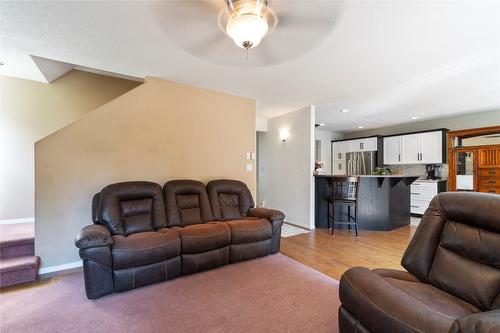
<point x="389" y="315"/>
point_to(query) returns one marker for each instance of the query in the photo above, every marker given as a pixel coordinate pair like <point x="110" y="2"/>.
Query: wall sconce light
<point x="284" y="134"/>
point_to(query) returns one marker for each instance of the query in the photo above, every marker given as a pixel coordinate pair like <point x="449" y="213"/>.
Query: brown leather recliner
<point x="453" y="279"/>
<point x="129" y="245"/>
<point x="205" y="244"/>
<point x="142" y="235"/>
<point x="255" y="232"/>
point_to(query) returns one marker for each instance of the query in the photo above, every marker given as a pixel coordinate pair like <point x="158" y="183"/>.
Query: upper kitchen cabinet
<point x="392" y="150"/>
<point x="432" y="147"/>
<point x="410" y="149"/>
<point x="339" y="150"/>
<point x="366" y="144"/>
<point x="415" y="148"/>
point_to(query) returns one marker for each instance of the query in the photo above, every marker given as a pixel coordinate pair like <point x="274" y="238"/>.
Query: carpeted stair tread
<point x="13" y="264"/>
<point x="16" y="242"/>
<point x="17" y="232"/>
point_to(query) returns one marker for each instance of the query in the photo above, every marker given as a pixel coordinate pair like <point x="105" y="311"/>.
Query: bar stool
<point x="345" y="191"/>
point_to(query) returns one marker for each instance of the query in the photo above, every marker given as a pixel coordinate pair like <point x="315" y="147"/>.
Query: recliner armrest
<point x="382" y="308"/>
<point x="482" y="322"/>
<point x="266" y="213"/>
<point x="93" y="236"/>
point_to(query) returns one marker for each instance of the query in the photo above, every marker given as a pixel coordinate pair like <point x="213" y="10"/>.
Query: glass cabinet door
<point x="465" y="173"/>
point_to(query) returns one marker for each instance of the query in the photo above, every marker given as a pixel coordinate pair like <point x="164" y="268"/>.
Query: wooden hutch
<point x="474" y="167"/>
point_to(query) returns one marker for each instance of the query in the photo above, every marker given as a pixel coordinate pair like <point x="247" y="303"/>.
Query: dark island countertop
<point x="383" y="201"/>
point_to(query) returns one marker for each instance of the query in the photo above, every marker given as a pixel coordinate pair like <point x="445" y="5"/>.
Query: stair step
<point x="17" y="240"/>
<point x="18" y="248"/>
<point x="7" y="265"/>
<point x="17" y="231"/>
<point x="18" y="270"/>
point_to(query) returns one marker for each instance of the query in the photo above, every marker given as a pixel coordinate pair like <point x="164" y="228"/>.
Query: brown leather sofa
<point x="453" y="279"/>
<point x="142" y="235"/>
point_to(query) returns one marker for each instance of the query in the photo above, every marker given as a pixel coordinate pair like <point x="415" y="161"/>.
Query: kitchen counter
<point x="383" y="202"/>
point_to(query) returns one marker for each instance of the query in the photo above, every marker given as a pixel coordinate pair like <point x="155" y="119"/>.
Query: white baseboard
<point x="415" y="220"/>
<point x="58" y="268"/>
<point x="14" y="221"/>
<point x="297" y="223"/>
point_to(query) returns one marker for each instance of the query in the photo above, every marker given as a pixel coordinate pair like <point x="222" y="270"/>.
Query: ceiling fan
<point x="249" y="21"/>
<point x="282" y="29"/>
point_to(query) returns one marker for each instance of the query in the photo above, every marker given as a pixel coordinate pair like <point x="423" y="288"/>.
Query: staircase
<point x="18" y="263"/>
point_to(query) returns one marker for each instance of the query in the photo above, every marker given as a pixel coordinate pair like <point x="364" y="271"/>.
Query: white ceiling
<point x="384" y="61"/>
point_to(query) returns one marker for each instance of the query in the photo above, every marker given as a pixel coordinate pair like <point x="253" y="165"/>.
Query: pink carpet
<point x="271" y="294"/>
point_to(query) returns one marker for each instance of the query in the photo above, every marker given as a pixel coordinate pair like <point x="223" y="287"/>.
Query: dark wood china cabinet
<point x="474" y="157"/>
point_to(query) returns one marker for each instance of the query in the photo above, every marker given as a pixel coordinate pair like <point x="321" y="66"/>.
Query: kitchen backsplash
<point x="419" y="169"/>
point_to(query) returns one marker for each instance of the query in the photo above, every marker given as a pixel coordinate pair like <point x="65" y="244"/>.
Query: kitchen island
<point x="383" y="202"/>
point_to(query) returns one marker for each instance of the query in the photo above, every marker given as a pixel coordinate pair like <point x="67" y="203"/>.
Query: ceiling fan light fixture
<point x="247" y="30"/>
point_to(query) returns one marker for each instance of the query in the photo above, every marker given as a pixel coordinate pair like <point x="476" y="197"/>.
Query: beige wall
<point x="159" y="131"/>
<point x="465" y="121"/>
<point x="286" y="168"/>
<point x="29" y="111"/>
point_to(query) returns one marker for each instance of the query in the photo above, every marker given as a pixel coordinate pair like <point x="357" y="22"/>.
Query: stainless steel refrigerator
<point x="361" y="162"/>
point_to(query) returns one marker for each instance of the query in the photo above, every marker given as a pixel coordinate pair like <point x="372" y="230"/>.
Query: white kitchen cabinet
<point x="353" y="146"/>
<point x="431" y="147"/>
<point x="418" y="148"/>
<point x="392" y="150"/>
<point x="367" y="144"/>
<point x="410" y="149"/>
<point x="370" y="144"/>
<point x="339" y="150"/>
<point x="339" y="167"/>
<point x="421" y="194"/>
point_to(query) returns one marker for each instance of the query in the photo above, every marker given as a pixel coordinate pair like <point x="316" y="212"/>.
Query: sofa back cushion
<point x="456" y="247"/>
<point x="130" y="207"/>
<point x="186" y="202"/>
<point x="230" y="199"/>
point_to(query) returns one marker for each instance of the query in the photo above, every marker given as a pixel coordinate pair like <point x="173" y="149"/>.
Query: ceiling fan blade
<point x="198" y="27"/>
<point x="209" y="44"/>
<point x="303" y="14"/>
<point x="185" y="12"/>
<point x="285" y="21"/>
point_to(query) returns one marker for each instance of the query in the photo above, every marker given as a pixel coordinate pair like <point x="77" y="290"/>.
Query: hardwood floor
<point x="333" y="255"/>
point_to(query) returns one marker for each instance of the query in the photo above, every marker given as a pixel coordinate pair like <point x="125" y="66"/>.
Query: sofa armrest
<point x="266" y="213"/>
<point x="93" y="236"/>
<point x="482" y="322"/>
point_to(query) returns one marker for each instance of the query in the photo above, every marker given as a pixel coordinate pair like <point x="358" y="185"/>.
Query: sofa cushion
<point x="384" y="304"/>
<point x="249" y="230"/>
<point x="144" y="248"/>
<point x="186" y="202"/>
<point x="199" y="238"/>
<point x="230" y="199"/>
<point x="130" y="207"/>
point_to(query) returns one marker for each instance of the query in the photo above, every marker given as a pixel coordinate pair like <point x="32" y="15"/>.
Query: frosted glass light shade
<point x="247" y="29"/>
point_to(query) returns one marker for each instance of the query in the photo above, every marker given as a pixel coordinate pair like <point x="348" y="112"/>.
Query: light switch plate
<point x="249" y="167"/>
<point x="254" y="155"/>
<point x="248" y="156"/>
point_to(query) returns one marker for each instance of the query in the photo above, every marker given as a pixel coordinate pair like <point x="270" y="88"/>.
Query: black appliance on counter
<point x="431" y="171"/>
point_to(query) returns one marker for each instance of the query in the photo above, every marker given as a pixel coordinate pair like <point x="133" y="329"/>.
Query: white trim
<point x="312" y="147"/>
<point x="62" y="267"/>
<point x="415" y="220"/>
<point x="297" y="223"/>
<point x="22" y="220"/>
